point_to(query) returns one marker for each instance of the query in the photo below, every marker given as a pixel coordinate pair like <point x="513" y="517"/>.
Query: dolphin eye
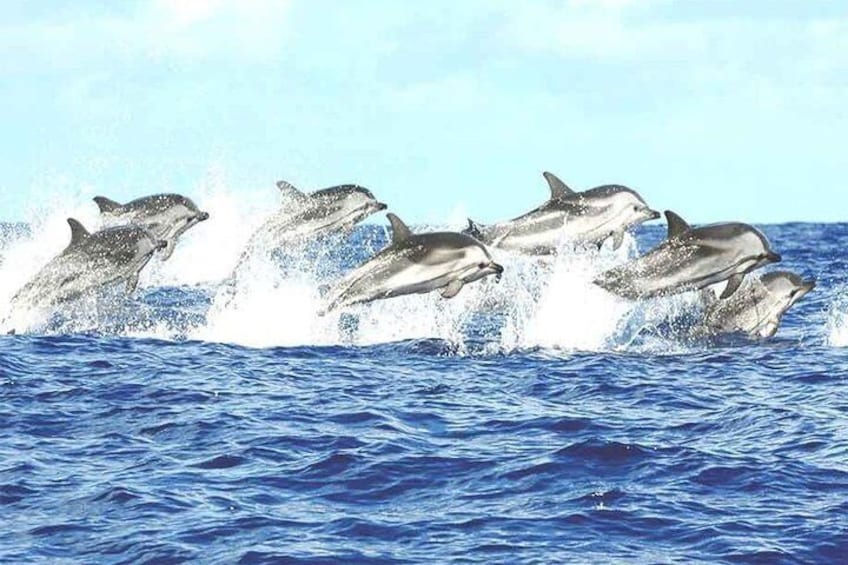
<point x="635" y="208"/>
<point x="481" y="265"/>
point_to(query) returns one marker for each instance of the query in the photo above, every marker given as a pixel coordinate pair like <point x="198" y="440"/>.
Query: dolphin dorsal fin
<point x="676" y="224"/>
<point x="106" y="205"/>
<point x="559" y="189"/>
<point x="289" y="190"/>
<point x="400" y="231"/>
<point x="285" y="186"/>
<point x="78" y="232"/>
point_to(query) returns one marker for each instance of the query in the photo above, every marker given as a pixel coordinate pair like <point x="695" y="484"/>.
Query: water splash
<point x="836" y="326"/>
<point x="556" y="304"/>
<point x="209" y="252"/>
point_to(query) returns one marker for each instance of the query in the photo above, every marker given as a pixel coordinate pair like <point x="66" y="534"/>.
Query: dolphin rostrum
<point x="757" y="308"/>
<point x="691" y="258"/>
<point x="416" y="263"/>
<point x="334" y="208"/>
<point x="576" y="218"/>
<point x="166" y="216"/>
<point x="90" y="261"/>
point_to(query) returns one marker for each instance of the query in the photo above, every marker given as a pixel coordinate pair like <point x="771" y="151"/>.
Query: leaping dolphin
<point x="576" y="218"/>
<point x="758" y="307"/>
<point x="416" y="263"/>
<point x="305" y="215"/>
<point x="90" y="261"/>
<point x="166" y="216"/>
<point x="691" y="258"/>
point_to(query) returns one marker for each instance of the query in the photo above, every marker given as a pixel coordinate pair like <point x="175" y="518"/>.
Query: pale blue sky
<point x="718" y="110"/>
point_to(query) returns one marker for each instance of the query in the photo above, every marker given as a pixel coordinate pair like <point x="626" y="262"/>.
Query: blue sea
<point x="538" y="420"/>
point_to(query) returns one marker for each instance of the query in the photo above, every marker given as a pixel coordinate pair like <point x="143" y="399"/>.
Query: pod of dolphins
<point x="689" y="259"/>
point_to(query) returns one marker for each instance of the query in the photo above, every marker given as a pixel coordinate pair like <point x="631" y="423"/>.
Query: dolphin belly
<point x="395" y="274"/>
<point x="393" y="278"/>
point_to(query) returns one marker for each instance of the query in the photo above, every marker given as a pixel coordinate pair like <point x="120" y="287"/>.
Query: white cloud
<point x="458" y="92"/>
<point x="182" y="30"/>
<point x="254" y="29"/>
<point x="631" y="31"/>
<point x="186" y="12"/>
<point x="773" y="61"/>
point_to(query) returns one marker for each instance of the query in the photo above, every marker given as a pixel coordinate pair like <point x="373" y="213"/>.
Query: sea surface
<point x="218" y="419"/>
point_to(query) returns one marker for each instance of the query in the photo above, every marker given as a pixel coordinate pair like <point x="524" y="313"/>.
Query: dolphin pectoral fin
<point x="452" y="289"/>
<point x="132" y="283"/>
<point x="168" y="250"/>
<point x="617" y="239"/>
<point x="732" y="285"/>
<point x="769" y="329"/>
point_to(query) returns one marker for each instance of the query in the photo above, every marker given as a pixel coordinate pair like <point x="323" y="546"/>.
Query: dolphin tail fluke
<point x="106" y="205"/>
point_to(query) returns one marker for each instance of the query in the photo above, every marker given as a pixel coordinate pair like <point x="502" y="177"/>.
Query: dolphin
<point x="335" y="208"/>
<point x="758" y="307"/>
<point x="90" y="261"/>
<point x="416" y="263"/>
<point x="577" y="218"/>
<point x="166" y="216"/>
<point x="690" y="259"/>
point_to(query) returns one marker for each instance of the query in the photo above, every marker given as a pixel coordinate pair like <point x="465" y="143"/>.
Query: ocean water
<point x="538" y="420"/>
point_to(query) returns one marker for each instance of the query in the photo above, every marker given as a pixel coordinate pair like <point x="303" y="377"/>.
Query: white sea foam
<point x="556" y="305"/>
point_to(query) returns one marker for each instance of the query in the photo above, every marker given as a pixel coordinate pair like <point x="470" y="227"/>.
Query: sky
<point x="719" y="110"/>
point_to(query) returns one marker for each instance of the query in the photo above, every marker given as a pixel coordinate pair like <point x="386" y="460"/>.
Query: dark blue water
<point x="432" y="450"/>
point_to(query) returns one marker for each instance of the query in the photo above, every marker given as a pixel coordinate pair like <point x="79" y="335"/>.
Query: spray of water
<point x="836" y="327"/>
